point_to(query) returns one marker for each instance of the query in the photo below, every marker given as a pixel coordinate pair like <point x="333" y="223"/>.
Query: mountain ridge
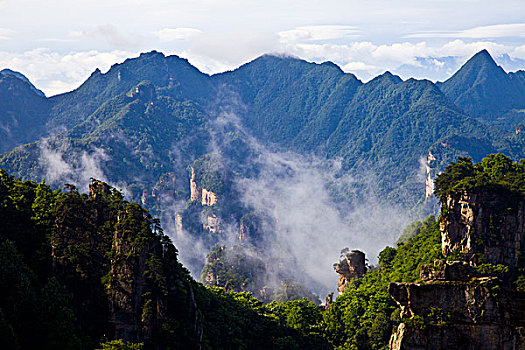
<point x="289" y="102"/>
<point x="483" y="89"/>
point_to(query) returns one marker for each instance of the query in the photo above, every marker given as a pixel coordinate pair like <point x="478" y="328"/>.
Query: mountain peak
<point x="387" y="76"/>
<point x="481" y="59"/>
<point x="9" y="72"/>
<point x="482" y="88"/>
<point x="152" y="53"/>
<point x="479" y="68"/>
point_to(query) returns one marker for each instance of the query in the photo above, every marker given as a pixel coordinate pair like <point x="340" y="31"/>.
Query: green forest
<point x="86" y="271"/>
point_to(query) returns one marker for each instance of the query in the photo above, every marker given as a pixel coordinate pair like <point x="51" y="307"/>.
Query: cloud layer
<point x="57" y="44"/>
<point x="54" y="73"/>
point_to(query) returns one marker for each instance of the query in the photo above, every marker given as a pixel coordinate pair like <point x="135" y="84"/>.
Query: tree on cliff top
<point x="495" y="172"/>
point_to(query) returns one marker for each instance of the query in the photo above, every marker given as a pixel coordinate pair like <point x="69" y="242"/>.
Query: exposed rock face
<point x="199" y="194"/>
<point x="251" y="227"/>
<point x="126" y="293"/>
<point x="195" y="190"/>
<point x="487" y="226"/>
<point x="350" y="268"/>
<point x="429" y="181"/>
<point x="120" y="271"/>
<point x="446" y="271"/>
<point x="459" y="315"/>
<point x="213" y="224"/>
<point x="98" y="189"/>
<point x="468" y="337"/>
<point x="144" y="198"/>
<point x="329" y="301"/>
<point x="453" y="309"/>
<point x="144" y="91"/>
<point x="208" y="198"/>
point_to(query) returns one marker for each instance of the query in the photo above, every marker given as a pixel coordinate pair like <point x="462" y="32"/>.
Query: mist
<point x="310" y="209"/>
<point x="61" y="163"/>
<point x="306" y="218"/>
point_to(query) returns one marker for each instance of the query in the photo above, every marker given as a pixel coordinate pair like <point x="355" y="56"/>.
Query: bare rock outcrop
<point x="195" y="190"/>
<point x="429" y="175"/>
<point x="487" y="226"/>
<point x="459" y="315"/>
<point x="209" y="198"/>
<point x="453" y="308"/>
<point x="200" y="194"/>
<point x="351" y="267"/>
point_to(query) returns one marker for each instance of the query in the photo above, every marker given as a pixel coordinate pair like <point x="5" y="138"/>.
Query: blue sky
<point x="58" y="43"/>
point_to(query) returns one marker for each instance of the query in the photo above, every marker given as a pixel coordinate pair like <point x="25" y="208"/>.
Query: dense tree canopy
<point x="494" y="172"/>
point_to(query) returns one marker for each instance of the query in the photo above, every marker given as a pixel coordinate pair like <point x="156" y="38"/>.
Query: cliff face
<point x="454" y="308"/>
<point x="459" y="315"/>
<point x="484" y="227"/>
<point x="200" y="194"/>
<point x="429" y="175"/>
<point x="122" y="271"/>
<point x="350" y="268"/>
<point x="130" y="310"/>
<point x="195" y="190"/>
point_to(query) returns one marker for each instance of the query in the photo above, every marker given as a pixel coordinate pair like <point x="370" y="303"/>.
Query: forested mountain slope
<point x="149" y="122"/>
<point x="86" y="271"/>
<point x="484" y="90"/>
<point x="284" y="102"/>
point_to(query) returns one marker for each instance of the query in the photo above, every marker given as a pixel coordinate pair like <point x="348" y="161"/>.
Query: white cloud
<point x="53" y="72"/>
<point x="437" y="63"/>
<point x="5" y="33"/>
<point x="368" y="59"/>
<point x="171" y="34"/>
<point x="357" y="66"/>
<point x="518" y="52"/>
<point x="57" y="40"/>
<point x="320" y="32"/>
<point x="465" y="49"/>
<point x="62" y="164"/>
<point x="232" y="49"/>
<point x="481" y="32"/>
<point x="110" y="34"/>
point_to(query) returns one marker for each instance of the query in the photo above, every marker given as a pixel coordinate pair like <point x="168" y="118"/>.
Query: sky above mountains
<point x="58" y="43"/>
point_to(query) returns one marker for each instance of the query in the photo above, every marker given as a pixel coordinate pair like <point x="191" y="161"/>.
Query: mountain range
<point x="385" y="124"/>
<point x="150" y="121"/>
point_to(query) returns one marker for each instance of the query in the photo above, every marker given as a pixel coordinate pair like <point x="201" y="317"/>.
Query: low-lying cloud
<point x="62" y="164"/>
<point x="307" y="207"/>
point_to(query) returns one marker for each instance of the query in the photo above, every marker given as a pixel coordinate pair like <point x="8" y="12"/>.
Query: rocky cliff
<point x="121" y="269"/>
<point x="351" y="267"/>
<point x="485" y="226"/>
<point x="200" y="194"/>
<point x="447" y="314"/>
<point x="429" y="175"/>
<point x="455" y="307"/>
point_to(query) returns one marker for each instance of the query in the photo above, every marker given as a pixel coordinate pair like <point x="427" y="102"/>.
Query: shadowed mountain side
<point x="130" y="140"/>
<point x="23" y="110"/>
